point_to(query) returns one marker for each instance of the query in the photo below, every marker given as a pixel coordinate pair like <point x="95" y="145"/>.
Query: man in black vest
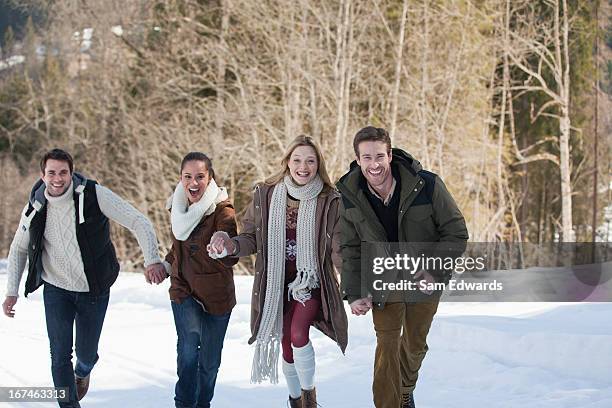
<point x="388" y="197"/>
<point x="64" y="233"/>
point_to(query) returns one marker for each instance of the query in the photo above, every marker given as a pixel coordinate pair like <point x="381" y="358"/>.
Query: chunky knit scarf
<point x="267" y="350"/>
<point x="184" y="217"/>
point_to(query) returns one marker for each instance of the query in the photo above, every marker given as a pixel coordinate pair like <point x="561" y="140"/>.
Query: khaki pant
<point x="401" y="333"/>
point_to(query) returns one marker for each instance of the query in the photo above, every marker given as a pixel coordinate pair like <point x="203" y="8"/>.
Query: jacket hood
<point x="37" y="195"/>
<point x="400" y="158"/>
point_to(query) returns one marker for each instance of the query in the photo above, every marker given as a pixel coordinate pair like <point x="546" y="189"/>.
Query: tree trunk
<point x="221" y="67"/>
<point x="566" y="186"/>
<point x="564" y="124"/>
<point x="398" y="70"/>
<point x="422" y="104"/>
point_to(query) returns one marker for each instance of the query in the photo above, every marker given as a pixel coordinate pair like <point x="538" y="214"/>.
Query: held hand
<point x="220" y="245"/>
<point x="147" y="277"/>
<point x="423" y="275"/>
<point x="361" y="306"/>
<point x="155" y="273"/>
<point x="7" y="306"/>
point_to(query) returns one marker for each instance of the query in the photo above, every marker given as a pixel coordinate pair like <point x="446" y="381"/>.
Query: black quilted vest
<point x="93" y="236"/>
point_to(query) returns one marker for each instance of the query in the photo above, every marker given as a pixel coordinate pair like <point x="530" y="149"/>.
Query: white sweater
<point x="61" y="255"/>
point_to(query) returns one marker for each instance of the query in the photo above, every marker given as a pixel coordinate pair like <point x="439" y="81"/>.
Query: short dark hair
<point x="57" y="154"/>
<point x="373" y="134"/>
<point x="198" y="156"/>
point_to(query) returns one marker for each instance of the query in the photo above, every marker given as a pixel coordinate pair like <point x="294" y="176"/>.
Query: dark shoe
<point x="295" y="403"/>
<point x="82" y="385"/>
<point x="407" y="400"/>
<point x="309" y="398"/>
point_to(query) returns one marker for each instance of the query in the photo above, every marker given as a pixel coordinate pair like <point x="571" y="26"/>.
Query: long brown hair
<point x="301" y="140"/>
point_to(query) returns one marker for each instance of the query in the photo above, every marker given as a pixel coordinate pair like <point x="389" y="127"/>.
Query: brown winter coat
<point x="253" y="240"/>
<point x="194" y="273"/>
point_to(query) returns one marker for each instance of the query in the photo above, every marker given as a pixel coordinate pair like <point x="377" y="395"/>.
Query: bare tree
<point x="539" y="47"/>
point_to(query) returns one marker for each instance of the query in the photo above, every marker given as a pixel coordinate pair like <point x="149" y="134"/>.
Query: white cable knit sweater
<point x="61" y="256"/>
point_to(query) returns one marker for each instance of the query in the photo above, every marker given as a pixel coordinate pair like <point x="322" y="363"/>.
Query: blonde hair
<point x="301" y="140"/>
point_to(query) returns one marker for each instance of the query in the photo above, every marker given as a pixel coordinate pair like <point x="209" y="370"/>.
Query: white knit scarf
<point x="184" y="217"/>
<point x="267" y="350"/>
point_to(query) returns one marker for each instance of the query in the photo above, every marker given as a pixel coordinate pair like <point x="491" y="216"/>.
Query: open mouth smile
<point x="194" y="192"/>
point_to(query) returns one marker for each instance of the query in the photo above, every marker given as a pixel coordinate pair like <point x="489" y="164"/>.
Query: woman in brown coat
<point x="201" y="288"/>
<point x="292" y="226"/>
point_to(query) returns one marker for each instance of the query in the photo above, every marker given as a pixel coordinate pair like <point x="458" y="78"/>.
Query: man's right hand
<point x="361" y="306"/>
<point x="7" y="306"/>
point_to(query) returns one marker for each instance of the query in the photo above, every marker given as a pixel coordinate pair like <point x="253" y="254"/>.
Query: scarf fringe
<point x="265" y="361"/>
<point x="304" y="282"/>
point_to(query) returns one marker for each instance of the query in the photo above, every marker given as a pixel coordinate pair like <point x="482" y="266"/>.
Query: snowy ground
<point x="534" y="355"/>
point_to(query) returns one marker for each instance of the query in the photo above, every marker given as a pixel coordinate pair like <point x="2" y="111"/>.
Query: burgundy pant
<point x="296" y="324"/>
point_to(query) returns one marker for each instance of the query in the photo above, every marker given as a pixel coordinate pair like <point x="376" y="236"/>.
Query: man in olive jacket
<point x="388" y="197"/>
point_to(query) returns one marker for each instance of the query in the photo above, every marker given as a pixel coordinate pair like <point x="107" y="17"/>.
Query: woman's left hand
<point x="221" y="245"/>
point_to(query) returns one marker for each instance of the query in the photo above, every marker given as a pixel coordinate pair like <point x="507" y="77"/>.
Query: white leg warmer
<point x="304" y="361"/>
<point x="293" y="382"/>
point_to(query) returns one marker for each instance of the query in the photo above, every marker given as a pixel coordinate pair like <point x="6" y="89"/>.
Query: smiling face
<point x="57" y="177"/>
<point x="375" y="163"/>
<point x="195" y="179"/>
<point x="303" y="164"/>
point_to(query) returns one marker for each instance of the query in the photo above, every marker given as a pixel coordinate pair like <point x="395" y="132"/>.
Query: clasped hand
<point x="155" y="273"/>
<point x="220" y="245"/>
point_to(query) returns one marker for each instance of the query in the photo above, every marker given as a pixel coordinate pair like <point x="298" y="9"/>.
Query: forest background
<point x="508" y="101"/>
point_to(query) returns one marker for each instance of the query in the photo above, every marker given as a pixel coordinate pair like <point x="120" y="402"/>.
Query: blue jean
<point x="64" y="308"/>
<point x="200" y="341"/>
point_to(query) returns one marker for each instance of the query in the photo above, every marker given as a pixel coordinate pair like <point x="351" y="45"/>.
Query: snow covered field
<point x="533" y="355"/>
